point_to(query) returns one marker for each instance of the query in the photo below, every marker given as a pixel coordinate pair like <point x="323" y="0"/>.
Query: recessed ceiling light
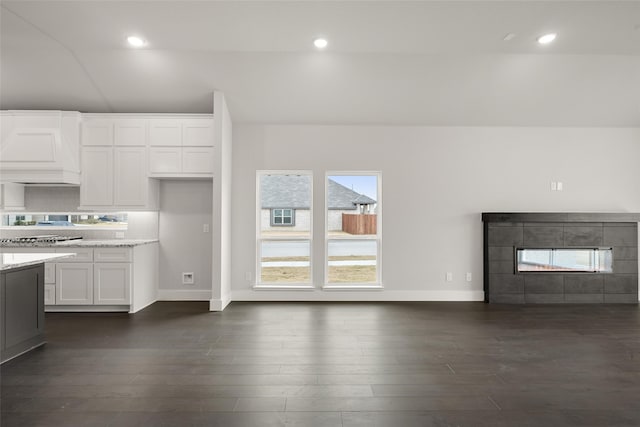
<point x="320" y="43"/>
<point x="547" y="38"/>
<point x="136" y="41"/>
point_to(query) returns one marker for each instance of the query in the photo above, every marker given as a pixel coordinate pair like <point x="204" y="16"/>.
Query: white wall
<point x="185" y="206"/>
<point x="435" y="184"/>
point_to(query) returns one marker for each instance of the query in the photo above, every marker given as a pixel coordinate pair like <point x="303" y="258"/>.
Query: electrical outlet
<point x="205" y="228"/>
<point x="188" y="279"/>
<point x="469" y="277"/>
<point x="449" y="277"/>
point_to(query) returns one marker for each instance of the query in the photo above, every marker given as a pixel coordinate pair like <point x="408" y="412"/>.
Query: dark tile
<point x="507" y="298"/>
<point x="620" y="236"/>
<point x="501" y="267"/>
<point x="506" y="283"/>
<point x="620" y="284"/>
<point x="501" y="253"/>
<point x="583" y="283"/>
<point x="584" y="298"/>
<point x="505" y="236"/>
<point x="543" y="236"/>
<point x="544" y="298"/>
<point x="543" y="283"/>
<point x="583" y="235"/>
<point x="625" y="267"/>
<point x="625" y="253"/>
<point x="621" y="298"/>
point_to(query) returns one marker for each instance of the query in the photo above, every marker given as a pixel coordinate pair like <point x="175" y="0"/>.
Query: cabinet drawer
<point x="49" y="294"/>
<point x="112" y="255"/>
<point x="82" y="254"/>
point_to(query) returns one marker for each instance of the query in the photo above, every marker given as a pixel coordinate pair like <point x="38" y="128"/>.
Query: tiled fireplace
<point x="544" y="258"/>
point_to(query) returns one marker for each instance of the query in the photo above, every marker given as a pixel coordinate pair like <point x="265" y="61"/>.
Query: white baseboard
<point x="359" y="295"/>
<point x="184" y="295"/>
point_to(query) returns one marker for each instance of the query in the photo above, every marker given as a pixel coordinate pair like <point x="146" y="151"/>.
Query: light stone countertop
<point x="10" y="260"/>
<point x="84" y="243"/>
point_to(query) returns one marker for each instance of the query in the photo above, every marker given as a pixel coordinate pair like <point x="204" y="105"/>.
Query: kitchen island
<point x="22" y="301"/>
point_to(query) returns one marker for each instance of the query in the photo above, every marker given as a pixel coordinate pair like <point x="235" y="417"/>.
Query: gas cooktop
<point x="47" y="238"/>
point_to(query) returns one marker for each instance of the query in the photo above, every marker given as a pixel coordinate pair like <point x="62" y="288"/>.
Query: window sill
<point x="283" y="287"/>
<point x="353" y="287"/>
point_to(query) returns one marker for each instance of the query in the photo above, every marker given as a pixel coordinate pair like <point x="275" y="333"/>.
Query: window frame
<point x="257" y="282"/>
<point x="378" y="284"/>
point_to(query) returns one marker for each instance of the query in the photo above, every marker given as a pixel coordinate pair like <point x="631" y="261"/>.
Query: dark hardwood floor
<point x="332" y="364"/>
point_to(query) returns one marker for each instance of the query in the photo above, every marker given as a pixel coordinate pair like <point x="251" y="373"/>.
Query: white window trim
<point x="378" y="285"/>
<point x="258" y="285"/>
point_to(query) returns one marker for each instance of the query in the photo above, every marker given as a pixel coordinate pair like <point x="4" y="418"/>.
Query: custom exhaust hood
<point x="40" y="147"/>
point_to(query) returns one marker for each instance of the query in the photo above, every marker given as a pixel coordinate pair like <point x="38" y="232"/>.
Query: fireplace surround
<point x="592" y="257"/>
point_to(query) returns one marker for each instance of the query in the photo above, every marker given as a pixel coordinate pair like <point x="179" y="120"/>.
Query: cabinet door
<point x="111" y="283"/>
<point x="130" y="176"/>
<point x="197" y="132"/>
<point x="130" y="132"/>
<point x="165" y="160"/>
<point x="97" y="132"/>
<point x="165" y="132"/>
<point x="74" y="284"/>
<point x="96" y="185"/>
<point x="197" y="160"/>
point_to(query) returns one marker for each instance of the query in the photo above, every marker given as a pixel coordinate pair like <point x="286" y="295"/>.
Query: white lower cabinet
<point x="74" y="283"/>
<point x="111" y="283"/>
<point x="100" y="278"/>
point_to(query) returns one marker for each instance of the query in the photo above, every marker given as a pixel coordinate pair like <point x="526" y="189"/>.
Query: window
<point x="284" y="213"/>
<point x="282" y="217"/>
<point x="353" y="229"/>
<point x="72" y="220"/>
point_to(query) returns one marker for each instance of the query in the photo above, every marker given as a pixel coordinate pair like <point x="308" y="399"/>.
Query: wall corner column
<point x="221" y="227"/>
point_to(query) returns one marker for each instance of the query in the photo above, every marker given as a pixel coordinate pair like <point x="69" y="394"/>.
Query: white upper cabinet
<point x="114" y="164"/>
<point x="181" y="147"/>
<point x="40" y="147"/>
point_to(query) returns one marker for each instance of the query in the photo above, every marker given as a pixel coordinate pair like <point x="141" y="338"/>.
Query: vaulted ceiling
<point x="388" y="62"/>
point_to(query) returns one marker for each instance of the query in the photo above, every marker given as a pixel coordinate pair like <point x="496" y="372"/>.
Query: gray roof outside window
<point x="294" y="191"/>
